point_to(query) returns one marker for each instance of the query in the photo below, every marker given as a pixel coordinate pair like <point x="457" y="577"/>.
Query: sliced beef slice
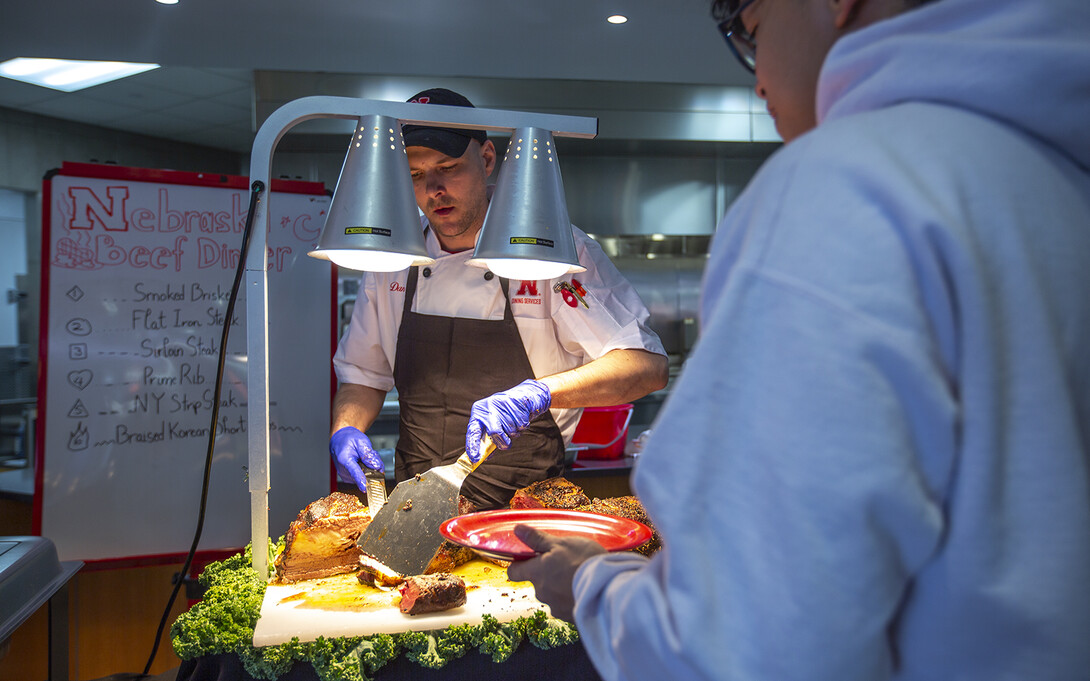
<point x="432" y="593"/>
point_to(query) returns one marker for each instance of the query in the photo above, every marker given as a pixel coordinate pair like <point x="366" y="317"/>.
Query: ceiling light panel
<point x="68" y="75"/>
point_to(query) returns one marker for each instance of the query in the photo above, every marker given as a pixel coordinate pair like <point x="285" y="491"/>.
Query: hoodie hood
<point x="1025" y="63"/>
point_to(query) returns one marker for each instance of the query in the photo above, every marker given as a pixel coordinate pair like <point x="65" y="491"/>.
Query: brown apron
<point x="442" y="366"/>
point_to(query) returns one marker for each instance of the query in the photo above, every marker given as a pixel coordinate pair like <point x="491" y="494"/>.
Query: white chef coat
<point x="557" y="335"/>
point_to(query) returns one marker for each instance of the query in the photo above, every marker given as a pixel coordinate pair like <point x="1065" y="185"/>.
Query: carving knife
<point x="376" y="491"/>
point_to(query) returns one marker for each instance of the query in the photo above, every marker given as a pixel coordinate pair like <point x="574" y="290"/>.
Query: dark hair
<point x="721" y="9"/>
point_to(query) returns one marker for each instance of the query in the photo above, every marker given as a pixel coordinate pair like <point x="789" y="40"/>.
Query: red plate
<point x="491" y="533"/>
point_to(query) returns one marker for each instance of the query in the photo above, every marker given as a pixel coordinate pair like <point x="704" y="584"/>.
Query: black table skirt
<point x="565" y="663"/>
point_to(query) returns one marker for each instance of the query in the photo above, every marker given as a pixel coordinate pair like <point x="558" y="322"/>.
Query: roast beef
<point x="552" y="493"/>
<point x="562" y="493"/>
<point x="432" y="593"/>
<point x="627" y="507"/>
<point x="451" y="555"/>
<point x="374" y="573"/>
<point x="321" y="541"/>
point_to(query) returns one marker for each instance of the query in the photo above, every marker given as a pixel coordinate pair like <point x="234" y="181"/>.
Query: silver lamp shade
<point x="527" y="233"/>
<point x="373" y="222"/>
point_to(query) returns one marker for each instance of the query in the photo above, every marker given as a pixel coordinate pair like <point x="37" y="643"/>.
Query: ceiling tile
<point x="211" y="112"/>
<point x="242" y="98"/>
<point x="76" y="107"/>
<point x="198" y="82"/>
<point x="145" y="95"/>
<point x="243" y="76"/>
<point x="158" y="124"/>
<point x="14" y="94"/>
<point x="230" y="138"/>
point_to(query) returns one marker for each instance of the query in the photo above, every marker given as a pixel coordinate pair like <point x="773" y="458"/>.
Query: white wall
<point x="31" y="145"/>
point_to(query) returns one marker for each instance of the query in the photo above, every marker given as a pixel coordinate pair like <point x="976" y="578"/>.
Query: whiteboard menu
<point x="137" y="271"/>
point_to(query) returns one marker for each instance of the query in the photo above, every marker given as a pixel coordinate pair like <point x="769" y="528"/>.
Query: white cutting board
<point x="341" y="606"/>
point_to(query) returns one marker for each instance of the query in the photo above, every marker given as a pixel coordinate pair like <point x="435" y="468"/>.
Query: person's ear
<point x="845" y="11"/>
<point x="488" y="157"/>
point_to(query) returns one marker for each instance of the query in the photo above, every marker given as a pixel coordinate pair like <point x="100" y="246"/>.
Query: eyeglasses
<point x="741" y="43"/>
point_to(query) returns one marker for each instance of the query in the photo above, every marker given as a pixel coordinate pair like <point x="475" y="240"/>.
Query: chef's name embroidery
<point x="377" y="231"/>
<point x="572" y="293"/>
<point x="531" y="241"/>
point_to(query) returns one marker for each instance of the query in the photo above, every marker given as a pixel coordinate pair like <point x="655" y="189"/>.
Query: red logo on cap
<point x="420" y="100"/>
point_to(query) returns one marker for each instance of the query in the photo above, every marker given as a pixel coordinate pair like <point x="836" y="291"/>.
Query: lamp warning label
<point x="377" y="231"/>
<point x="531" y="241"/>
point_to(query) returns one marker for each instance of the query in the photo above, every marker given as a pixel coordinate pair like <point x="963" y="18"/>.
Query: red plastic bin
<point x="602" y="432"/>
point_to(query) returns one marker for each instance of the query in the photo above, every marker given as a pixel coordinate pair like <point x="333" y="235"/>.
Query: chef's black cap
<point x="450" y="141"/>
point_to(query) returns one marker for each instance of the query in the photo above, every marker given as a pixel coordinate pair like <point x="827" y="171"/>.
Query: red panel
<point x="112" y="172"/>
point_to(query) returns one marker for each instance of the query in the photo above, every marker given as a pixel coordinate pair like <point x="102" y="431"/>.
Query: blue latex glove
<point x="352" y="451"/>
<point x="505" y="414"/>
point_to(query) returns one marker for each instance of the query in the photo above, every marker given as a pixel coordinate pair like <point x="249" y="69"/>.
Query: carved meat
<point x="631" y="508"/>
<point x="432" y="593"/>
<point x="447" y="557"/>
<point x="451" y="555"/>
<point x="552" y="493"/>
<point x="374" y="573"/>
<point x="561" y="493"/>
<point x="321" y="541"/>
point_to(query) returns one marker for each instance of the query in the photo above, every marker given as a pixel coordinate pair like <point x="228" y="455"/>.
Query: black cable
<point x="255" y="191"/>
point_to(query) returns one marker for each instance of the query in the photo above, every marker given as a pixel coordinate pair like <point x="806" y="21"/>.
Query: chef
<point x="471" y="353"/>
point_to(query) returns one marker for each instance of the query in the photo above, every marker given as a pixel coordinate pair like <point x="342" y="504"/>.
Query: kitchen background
<point x="650" y="188"/>
<point x="680" y="134"/>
